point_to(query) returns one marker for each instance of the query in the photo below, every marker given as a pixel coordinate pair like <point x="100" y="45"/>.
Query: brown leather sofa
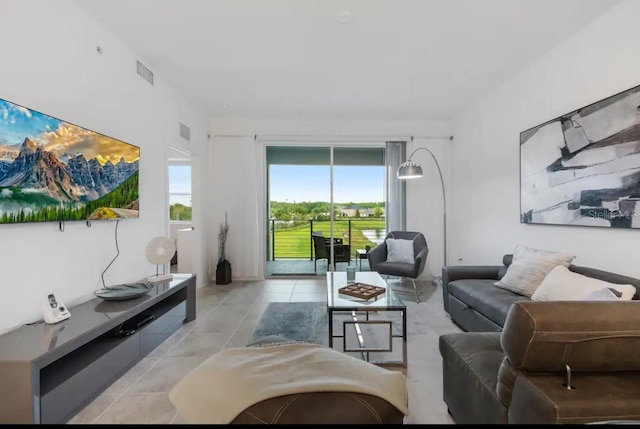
<point x="520" y="375"/>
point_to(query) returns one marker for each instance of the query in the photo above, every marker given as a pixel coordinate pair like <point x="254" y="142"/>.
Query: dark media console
<point x="50" y="372"/>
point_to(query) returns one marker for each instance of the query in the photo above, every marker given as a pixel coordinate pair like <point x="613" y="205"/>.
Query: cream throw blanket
<point x="232" y="380"/>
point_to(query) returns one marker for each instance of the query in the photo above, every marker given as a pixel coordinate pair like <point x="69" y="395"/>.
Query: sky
<point x="59" y="137"/>
<point x="297" y="183"/>
<point x="180" y="182"/>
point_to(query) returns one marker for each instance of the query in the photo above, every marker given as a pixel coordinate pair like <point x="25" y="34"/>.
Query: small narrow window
<point x="180" y="192"/>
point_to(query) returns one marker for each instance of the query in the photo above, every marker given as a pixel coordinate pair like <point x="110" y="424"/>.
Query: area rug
<point x="309" y="322"/>
<point x="297" y="321"/>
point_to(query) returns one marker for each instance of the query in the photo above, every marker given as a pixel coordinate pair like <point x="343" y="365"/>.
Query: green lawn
<point x="295" y="241"/>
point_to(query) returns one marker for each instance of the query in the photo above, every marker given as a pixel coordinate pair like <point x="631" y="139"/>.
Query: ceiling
<point x="340" y="59"/>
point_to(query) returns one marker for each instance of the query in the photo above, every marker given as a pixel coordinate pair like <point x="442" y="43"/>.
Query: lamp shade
<point x="409" y="170"/>
<point x="160" y="250"/>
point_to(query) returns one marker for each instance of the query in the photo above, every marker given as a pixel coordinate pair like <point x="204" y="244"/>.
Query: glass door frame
<point x="319" y="143"/>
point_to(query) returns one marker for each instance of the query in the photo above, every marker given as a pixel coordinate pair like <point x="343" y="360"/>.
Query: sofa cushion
<point x="561" y="284"/>
<point x="396" y="269"/>
<point x="600" y="398"/>
<point x="484" y="297"/>
<point x="529" y="267"/>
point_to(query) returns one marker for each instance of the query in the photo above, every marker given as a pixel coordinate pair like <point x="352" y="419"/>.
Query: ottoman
<point x="287" y="382"/>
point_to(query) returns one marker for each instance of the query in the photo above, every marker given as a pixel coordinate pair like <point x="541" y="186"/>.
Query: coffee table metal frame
<point x="387" y="302"/>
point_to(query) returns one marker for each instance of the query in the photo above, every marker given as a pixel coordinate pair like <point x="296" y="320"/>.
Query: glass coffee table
<point x="384" y="312"/>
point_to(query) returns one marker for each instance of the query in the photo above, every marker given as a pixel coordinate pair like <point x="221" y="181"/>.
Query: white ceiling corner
<point x="341" y="59"/>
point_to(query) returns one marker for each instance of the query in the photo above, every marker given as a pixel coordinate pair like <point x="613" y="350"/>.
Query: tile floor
<point x="226" y="317"/>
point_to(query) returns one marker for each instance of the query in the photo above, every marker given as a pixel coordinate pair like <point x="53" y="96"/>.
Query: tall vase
<point x="223" y="272"/>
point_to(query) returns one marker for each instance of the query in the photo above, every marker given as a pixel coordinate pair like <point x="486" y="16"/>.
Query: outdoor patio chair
<point x="321" y="250"/>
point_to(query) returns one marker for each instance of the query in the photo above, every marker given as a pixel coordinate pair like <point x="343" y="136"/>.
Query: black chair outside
<point x="321" y="250"/>
<point x="378" y="258"/>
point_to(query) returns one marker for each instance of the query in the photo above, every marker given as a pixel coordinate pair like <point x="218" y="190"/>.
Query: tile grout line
<point x="243" y="319"/>
<point x="423" y="315"/>
<point x="126" y="390"/>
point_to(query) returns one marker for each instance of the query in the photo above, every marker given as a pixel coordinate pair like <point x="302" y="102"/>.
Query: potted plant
<point x="223" y="269"/>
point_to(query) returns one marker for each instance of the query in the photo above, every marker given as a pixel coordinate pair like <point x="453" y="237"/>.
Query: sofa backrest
<point x="593" y="273"/>
<point x="589" y="336"/>
<point x="608" y="277"/>
<point x="543" y="336"/>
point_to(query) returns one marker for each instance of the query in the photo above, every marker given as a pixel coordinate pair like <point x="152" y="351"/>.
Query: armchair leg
<point x="415" y="290"/>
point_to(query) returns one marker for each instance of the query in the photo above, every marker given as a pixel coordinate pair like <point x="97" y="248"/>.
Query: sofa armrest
<point x="421" y="261"/>
<point x="451" y="273"/>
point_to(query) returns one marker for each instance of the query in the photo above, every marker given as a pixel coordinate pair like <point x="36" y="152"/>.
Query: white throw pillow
<point x="400" y="250"/>
<point x="561" y="284"/>
<point x="529" y="267"/>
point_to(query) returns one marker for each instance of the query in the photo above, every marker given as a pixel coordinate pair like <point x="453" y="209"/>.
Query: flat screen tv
<point x="52" y="170"/>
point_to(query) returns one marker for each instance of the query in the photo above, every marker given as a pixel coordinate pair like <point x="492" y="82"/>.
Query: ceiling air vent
<point x="145" y="73"/>
<point x="185" y="132"/>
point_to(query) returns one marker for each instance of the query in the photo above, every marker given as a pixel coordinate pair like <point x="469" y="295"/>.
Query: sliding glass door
<point x="298" y="192"/>
<point x="325" y="206"/>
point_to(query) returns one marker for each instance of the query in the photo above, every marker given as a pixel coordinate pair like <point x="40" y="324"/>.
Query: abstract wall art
<point x="583" y="168"/>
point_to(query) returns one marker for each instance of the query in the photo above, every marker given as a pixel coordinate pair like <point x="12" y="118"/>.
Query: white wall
<point x="599" y="61"/>
<point x="238" y="185"/>
<point x="50" y="64"/>
<point x="175" y="226"/>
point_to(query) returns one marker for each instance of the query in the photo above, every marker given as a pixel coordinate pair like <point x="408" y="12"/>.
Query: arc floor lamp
<point x="411" y="170"/>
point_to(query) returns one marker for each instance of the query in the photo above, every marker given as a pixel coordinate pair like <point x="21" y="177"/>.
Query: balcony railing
<point x="292" y="240"/>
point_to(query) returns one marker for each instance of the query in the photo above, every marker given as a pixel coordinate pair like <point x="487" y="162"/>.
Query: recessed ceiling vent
<point x="185" y="132"/>
<point x="145" y="73"/>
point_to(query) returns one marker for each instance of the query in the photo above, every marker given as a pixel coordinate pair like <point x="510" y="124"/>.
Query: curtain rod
<point x="327" y="138"/>
<point x="432" y="137"/>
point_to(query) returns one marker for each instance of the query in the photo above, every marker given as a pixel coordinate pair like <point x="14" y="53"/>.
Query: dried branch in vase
<point x="222" y="239"/>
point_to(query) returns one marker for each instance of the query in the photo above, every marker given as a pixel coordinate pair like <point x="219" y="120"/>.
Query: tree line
<point x="319" y="210"/>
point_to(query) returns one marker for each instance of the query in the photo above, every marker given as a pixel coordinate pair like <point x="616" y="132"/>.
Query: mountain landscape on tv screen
<point x="51" y="170"/>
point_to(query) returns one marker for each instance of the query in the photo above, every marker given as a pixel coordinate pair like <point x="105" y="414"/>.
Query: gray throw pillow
<point x="529" y="268"/>
<point x="400" y="250"/>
